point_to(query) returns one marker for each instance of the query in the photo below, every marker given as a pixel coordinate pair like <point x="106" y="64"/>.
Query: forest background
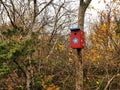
<point x="34" y="45"/>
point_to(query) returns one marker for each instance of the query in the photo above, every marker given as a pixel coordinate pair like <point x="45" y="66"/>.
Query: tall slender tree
<point x="83" y="5"/>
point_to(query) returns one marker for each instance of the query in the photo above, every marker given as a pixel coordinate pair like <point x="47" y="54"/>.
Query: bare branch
<point x="13" y="11"/>
<point x="108" y="83"/>
<point x="44" y="7"/>
<point x="35" y="10"/>
<point x="81" y="2"/>
<point x="87" y="2"/>
<point x="13" y="24"/>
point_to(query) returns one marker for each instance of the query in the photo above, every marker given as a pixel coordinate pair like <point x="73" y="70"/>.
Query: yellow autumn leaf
<point x="97" y="82"/>
<point x="93" y="39"/>
<point x="94" y="59"/>
<point x="113" y="26"/>
<point x="43" y="84"/>
<point x="113" y="0"/>
<point x="104" y="15"/>
<point x="104" y="27"/>
<point x="98" y="62"/>
<point x="70" y="60"/>
<point x="99" y="35"/>
<point x="118" y="74"/>
<point x="93" y="50"/>
<point x="70" y="52"/>
<point x="97" y="45"/>
<point x="55" y="48"/>
<point x="115" y="11"/>
<point x="53" y="87"/>
<point x="61" y="47"/>
<point x="98" y="56"/>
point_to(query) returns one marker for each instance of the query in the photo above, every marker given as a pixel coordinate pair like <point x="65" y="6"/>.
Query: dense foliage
<point x="35" y="58"/>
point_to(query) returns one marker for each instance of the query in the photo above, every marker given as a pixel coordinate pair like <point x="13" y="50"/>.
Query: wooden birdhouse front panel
<point x="77" y="38"/>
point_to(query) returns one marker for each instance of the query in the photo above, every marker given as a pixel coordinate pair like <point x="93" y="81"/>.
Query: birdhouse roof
<point x="75" y="29"/>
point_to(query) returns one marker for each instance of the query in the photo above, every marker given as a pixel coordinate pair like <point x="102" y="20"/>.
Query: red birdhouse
<point x="76" y="38"/>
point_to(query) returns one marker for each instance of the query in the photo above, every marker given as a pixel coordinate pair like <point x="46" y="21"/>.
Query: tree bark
<point x="28" y="80"/>
<point x="79" y="70"/>
<point x="79" y="62"/>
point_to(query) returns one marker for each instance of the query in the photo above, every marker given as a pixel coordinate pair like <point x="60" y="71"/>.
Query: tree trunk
<point x="27" y="80"/>
<point x="79" y="70"/>
<point x="81" y="15"/>
<point x="79" y="62"/>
